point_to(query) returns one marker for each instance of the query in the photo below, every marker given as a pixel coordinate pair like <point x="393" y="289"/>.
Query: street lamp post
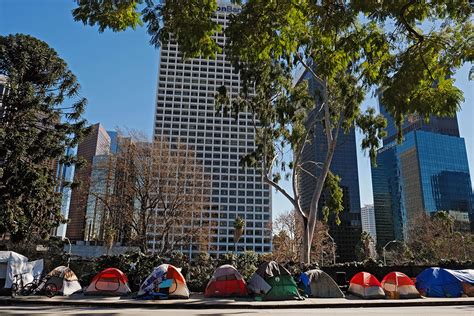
<point x="69" y="252"/>
<point x="383" y="250"/>
<point x="333" y="247"/>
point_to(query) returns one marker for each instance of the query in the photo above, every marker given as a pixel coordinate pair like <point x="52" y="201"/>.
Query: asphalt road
<point x="385" y="311"/>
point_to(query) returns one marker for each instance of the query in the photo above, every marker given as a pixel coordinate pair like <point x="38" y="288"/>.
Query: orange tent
<point x="165" y="281"/>
<point x="399" y="285"/>
<point x="366" y="285"/>
<point x="110" y="281"/>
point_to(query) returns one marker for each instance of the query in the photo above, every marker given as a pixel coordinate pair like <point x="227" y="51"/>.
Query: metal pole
<point x="333" y="247"/>
<point x="383" y="250"/>
<point x="70" y="248"/>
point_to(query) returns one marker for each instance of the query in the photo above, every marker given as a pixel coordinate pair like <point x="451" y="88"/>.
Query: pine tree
<point x="42" y="116"/>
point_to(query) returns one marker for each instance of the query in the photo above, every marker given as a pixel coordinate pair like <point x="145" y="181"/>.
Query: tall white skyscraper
<point x="368" y="220"/>
<point x="185" y="114"/>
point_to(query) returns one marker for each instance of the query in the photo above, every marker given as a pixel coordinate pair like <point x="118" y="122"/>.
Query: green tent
<point x="273" y="282"/>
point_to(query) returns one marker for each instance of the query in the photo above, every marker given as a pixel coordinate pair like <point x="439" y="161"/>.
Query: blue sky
<point x="118" y="74"/>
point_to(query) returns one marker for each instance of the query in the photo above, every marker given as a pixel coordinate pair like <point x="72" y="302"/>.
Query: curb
<point x="234" y="305"/>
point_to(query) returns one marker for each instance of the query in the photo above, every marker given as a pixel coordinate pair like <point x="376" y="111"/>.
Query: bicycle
<point x="17" y="284"/>
<point x="32" y="287"/>
<point x="18" y="288"/>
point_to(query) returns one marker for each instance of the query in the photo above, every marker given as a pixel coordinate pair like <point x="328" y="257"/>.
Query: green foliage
<point x="239" y="223"/>
<point x="200" y="271"/>
<point x="333" y="200"/>
<point x="118" y="15"/>
<point x="188" y="22"/>
<point x="444" y="220"/>
<point x="228" y="258"/>
<point x="247" y="263"/>
<point x="373" y="127"/>
<point x="42" y="117"/>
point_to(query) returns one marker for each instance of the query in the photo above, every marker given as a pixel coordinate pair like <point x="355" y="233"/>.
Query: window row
<point x="173" y="63"/>
<point x="164" y="74"/>
<point x="240" y="192"/>
<point x="223" y="248"/>
<point x="186" y="127"/>
<point x="216" y="199"/>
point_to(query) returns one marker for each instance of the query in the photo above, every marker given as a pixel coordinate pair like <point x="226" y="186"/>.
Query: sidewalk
<point x="197" y="301"/>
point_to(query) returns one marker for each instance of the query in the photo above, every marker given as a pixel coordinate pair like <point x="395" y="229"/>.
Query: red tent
<point x="226" y="281"/>
<point x="110" y="281"/>
<point x="399" y="285"/>
<point x="366" y="285"/>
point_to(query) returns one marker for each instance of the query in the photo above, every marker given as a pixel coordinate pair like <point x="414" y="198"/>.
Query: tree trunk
<point x="306" y="251"/>
<point x="143" y="231"/>
<point x="313" y="212"/>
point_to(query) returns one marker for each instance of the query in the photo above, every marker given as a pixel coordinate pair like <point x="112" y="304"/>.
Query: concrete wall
<point x="93" y="251"/>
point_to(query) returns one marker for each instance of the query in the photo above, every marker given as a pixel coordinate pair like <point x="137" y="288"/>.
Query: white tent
<point x="63" y="279"/>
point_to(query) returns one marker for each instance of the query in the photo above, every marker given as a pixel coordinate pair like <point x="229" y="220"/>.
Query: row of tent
<point x="432" y="282"/>
<point x="271" y="281"/>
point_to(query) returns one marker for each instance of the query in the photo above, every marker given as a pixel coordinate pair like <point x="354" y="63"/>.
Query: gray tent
<point x="319" y="284"/>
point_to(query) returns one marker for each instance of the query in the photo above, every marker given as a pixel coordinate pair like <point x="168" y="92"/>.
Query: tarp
<point x="258" y="285"/>
<point x="226" y="281"/>
<point x="63" y="280"/>
<point x="165" y="281"/>
<point x="439" y="282"/>
<point x="271" y="269"/>
<point x="110" y="281"/>
<point x="319" y="284"/>
<point x="273" y="282"/>
<point x="466" y="275"/>
<point x="399" y="285"/>
<point x="366" y="285"/>
<point x="19" y="265"/>
<point x="11" y="264"/>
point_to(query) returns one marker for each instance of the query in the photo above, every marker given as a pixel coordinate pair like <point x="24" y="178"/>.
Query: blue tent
<point x="439" y="282"/>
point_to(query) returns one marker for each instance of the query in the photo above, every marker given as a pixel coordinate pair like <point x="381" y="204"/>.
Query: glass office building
<point x="427" y="172"/>
<point x="64" y="174"/>
<point x="439" y="125"/>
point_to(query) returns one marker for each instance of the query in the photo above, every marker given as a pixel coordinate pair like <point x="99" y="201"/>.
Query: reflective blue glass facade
<point x="438" y="125"/>
<point x="64" y="174"/>
<point x="426" y="172"/>
<point x="113" y="141"/>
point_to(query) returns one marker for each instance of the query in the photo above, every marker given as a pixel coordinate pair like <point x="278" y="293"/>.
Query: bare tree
<point x="432" y="238"/>
<point x="180" y="195"/>
<point x="365" y="248"/>
<point x="288" y="239"/>
<point x="158" y="197"/>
